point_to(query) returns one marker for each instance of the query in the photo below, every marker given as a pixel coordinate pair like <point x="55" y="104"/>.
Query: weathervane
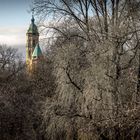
<point x="33" y="15"/>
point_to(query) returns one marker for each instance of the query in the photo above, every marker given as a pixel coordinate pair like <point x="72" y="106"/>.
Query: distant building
<point x="33" y="50"/>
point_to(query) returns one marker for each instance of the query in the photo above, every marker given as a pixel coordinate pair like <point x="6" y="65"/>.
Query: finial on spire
<point x="33" y="16"/>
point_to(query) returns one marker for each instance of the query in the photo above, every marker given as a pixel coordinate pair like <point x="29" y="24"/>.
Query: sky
<point x="14" y="22"/>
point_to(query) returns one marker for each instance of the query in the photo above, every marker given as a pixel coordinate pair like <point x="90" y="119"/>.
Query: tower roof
<point x="32" y="28"/>
<point x="37" y="51"/>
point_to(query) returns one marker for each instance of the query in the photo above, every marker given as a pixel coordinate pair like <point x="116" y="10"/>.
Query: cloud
<point x="13" y="36"/>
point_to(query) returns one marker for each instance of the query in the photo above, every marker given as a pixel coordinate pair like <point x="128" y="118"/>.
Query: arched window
<point x="33" y="43"/>
<point x="29" y="53"/>
<point x="29" y="43"/>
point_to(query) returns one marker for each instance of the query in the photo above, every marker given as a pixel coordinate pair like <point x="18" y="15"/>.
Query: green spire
<point x="33" y="28"/>
<point x="37" y="51"/>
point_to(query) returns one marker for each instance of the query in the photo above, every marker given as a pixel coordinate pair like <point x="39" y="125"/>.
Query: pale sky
<point x="14" y="22"/>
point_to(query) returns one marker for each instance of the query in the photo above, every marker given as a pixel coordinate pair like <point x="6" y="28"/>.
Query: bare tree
<point x="96" y="64"/>
<point x="22" y="96"/>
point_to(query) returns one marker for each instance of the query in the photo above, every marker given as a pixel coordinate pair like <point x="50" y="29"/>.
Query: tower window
<point x="29" y="43"/>
<point x="29" y="53"/>
<point x="33" y="43"/>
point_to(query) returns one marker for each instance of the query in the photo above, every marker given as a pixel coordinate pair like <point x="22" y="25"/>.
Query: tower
<point x="33" y="51"/>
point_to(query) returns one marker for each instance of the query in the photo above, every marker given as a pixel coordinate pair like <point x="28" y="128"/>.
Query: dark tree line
<point x="22" y="97"/>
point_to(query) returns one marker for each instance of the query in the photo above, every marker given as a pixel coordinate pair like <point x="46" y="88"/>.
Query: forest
<point x="88" y="85"/>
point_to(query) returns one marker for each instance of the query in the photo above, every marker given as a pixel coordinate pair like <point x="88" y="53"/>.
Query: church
<point x="33" y="50"/>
